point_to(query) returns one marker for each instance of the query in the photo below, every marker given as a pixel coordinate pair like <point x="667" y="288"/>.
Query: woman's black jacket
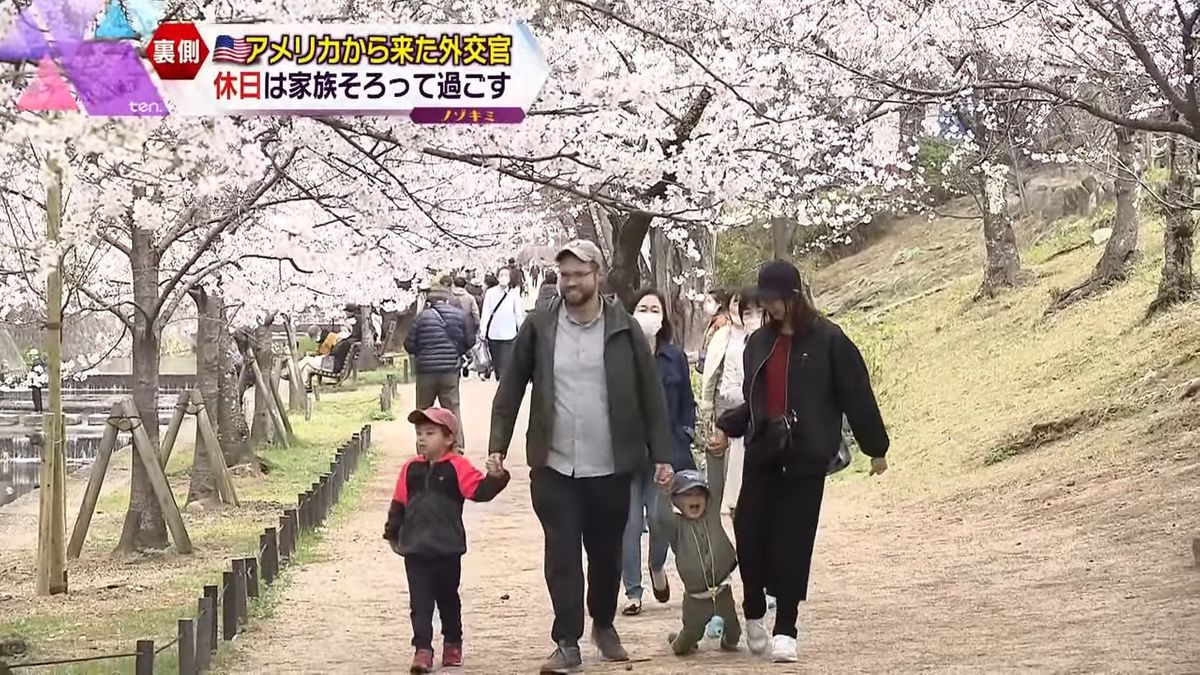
<point x="827" y="378"/>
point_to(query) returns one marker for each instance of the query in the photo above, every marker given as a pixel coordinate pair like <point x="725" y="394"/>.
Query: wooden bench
<point x="349" y="368"/>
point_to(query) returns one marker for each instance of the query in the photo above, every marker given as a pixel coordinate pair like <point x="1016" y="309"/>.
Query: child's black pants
<point x="433" y="581"/>
<point x="775" y="523"/>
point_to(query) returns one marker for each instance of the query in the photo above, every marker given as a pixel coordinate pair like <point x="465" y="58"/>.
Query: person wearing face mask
<point x="716" y="308"/>
<point x="722" y="378"/>
<point x="650" y="313"/>
<point x="502" y="316"/>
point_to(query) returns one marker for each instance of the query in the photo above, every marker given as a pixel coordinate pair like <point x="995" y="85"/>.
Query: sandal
<point x="633" y="607"/>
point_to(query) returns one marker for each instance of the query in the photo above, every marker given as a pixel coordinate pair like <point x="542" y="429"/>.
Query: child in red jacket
<point x="425" y="526"/>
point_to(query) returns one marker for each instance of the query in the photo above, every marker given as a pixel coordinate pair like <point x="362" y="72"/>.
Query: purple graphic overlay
<point x="108" y="77"/>
<point x="67" y="21"/>
<point x="111" y="81"/>
<point x="467" y="115"/>
<point x="24" y="41"/>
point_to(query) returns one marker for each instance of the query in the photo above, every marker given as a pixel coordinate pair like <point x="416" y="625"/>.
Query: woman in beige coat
<point x="722" y="379"/>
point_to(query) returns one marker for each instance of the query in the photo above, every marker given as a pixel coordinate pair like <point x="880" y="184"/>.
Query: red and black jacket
<point x="425" y="518"/>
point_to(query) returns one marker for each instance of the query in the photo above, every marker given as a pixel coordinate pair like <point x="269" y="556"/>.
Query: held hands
<point x="878" y="466"/>
<point x="718" y="443"/>
<point x="495" y="464"/>
<point x="663" y="473"/>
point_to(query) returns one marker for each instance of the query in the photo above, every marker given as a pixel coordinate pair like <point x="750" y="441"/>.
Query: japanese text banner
<point x="353" y="69"/>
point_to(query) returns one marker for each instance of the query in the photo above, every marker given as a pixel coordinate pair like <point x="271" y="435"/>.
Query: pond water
<point x="20" y="463"/>
<point x="169" y="364"/>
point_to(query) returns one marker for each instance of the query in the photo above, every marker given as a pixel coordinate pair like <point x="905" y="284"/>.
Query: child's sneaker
<point x="422" y="661"/>
<point x="757" y="636"/>
<point x="452" y="655"/>
<point x="715" y="628"/>
<point x="783" y="649"/>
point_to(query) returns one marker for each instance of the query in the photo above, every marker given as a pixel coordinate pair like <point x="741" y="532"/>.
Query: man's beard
<point x="584" y="297"/>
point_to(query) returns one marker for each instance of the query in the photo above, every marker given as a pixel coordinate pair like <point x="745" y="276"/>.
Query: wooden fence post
<point x="204" y="643"/>
<point x="285" y="535"/>
<point x="212" y="593"/>
<point x="385" y="398"/>
<point x="318" y="516"/>
<point x="239" y="590"/>
<point x="145" y="658"/>
<point x="270" y="555"/>
<point x="229" y="616"/>
<point x="293" y="532"/>
<point x="187" y="647"/>
<point x="251" y="577"/>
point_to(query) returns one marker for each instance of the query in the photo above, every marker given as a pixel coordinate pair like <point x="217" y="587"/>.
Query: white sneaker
<point x="757" y="636"/>
<point x="783" y="649"/>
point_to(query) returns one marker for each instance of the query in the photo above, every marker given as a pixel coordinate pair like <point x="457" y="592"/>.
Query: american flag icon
<point x="231" y="50"/>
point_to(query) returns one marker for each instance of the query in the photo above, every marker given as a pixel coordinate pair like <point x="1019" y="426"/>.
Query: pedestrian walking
<point x="439" y="338"/>
<point x="598" y="415"/>
<point x="503" y="314"/>
<point x="804" y="375"/>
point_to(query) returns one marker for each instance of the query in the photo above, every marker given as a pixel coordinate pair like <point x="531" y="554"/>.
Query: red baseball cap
<point x="439" y="416"/>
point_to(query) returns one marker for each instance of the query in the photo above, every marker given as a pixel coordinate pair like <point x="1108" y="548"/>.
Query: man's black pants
<point x="434" y="581"/>
<point x="588" y="510"/>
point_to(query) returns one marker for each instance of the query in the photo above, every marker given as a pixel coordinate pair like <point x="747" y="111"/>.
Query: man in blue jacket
<point x="440" y="336"/>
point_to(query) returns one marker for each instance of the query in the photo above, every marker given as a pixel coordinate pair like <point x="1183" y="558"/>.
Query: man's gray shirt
<point x="581" y="444"/>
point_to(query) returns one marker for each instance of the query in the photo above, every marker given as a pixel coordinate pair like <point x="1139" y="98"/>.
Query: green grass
<point x="95" y="622"/>
<point x="957" y="378"/>
<point x="1066" y="233"/>
<point x="376" y="378"/>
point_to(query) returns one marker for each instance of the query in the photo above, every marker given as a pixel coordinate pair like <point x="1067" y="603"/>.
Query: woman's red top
<point x="776" y="377"/>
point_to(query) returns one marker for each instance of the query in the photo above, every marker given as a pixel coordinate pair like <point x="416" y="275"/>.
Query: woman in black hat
<point x="802" y="374"/>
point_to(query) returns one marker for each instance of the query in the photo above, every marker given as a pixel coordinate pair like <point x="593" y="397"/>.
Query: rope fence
<point x="222" y="610"/>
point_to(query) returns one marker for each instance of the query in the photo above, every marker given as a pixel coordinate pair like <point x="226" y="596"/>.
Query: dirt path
<point x="1051" y="578"/>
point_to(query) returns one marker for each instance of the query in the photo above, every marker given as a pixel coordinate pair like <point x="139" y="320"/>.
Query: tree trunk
<point x="624" y="277"/>
<point x="781" y="239"/>
<point x="1178" y="281"/>
<point x="232" y="430"/>
<point x="260" y="345"/>
<point x="296" y="393"/>
<point x="1122" y="245"/>
<point x="691" y="320"/>
<point x="203" y="485"/>
<point x="144" y="526"/>
<point x="1121" y="248"/>
<point x="1002" y="261"/>
<point x="367" y="359"/>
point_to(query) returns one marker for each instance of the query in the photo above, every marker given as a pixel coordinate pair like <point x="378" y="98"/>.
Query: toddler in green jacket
<point x="704" y="556"/>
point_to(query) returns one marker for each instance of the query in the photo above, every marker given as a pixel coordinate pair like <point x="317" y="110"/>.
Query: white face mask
<point x="710" y="307"/>
<point x="752" y="321"/>
<point x="503" y="279"/>
<point x="650" y="322"/>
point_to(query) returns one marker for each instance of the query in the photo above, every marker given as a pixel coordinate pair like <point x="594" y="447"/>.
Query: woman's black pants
<point x="776" y="525"/>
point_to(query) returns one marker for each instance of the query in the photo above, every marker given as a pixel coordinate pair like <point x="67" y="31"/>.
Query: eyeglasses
<point x="575" y="276"/>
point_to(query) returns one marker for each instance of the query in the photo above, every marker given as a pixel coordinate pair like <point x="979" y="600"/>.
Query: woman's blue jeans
<point x="644" y="497"/>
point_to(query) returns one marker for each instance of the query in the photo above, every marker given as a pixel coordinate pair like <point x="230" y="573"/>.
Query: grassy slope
<point x="150" y="592"/>
<point x="959" y="378"/>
